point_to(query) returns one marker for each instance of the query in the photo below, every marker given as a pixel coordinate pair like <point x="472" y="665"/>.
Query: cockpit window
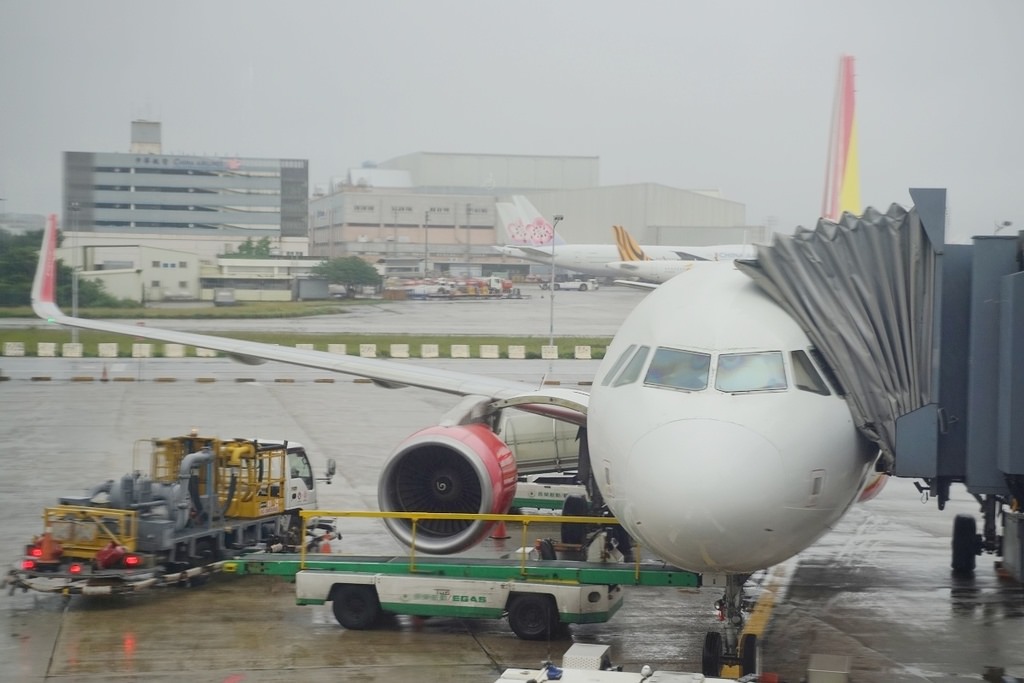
<point x="805" y="377"/>
<point x="632" y="370"/>
<point x="618" y="364"/>
<point x="679" y="369"/>
<point x="763" y="371"/>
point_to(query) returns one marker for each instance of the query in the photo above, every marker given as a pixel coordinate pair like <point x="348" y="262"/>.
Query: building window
<point x="154" y="283"/>
<point x="182" y="284"/>
<point x="183" y="264"/>
<point x="155" y="264"/>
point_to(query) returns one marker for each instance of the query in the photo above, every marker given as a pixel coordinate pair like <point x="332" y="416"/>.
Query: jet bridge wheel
<point x="532" y="616"/>
<point x="965" y="544"/>
<point x="711" y="657"/>
<point x="356" y="606"/>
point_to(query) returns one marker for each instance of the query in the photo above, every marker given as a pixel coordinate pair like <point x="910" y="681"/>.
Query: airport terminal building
<point x="175" y="199"/>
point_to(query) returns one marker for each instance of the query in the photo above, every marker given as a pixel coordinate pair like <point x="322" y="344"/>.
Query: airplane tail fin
<point x="536" y="230"/>
<point x="842" y="171"/>
<point x="44" y="285"/>
<point x="510" y="220"/>
<point x="629" y="250"/>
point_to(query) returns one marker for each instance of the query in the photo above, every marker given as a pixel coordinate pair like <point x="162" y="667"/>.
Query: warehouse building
<point x="435" y="212"/>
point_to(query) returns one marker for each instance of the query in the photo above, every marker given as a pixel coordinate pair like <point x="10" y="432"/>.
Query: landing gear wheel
<point x="711" y="657"/>
<point x="575" y="506"/>
<point x="532" y="616"/>
<point x="356" y="607"/>
<point x="965" y="544"/>
<point x="748" y="655"/>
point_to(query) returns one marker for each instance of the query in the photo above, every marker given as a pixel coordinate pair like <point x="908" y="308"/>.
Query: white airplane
<point x="634" y="265"/>
<point x="532" y="237"/>
<point x="712" y="432"/>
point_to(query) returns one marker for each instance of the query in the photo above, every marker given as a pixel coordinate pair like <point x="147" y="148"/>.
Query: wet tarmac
<point x="877" y="589"/>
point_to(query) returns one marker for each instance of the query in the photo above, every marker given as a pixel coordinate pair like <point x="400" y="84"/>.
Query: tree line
<point x="19" y="255"/>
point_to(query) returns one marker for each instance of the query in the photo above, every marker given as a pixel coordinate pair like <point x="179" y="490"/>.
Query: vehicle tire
<point x="748" y="655"/>
<point x="557" y="286"/>
<point x="356" y="606"/>
<point x="546" y="550"/>
<point x="965" y="544"/>
<point x="532" y="616"/>
<point x="711" y="656"/>
<point x="575" y="506"/>
<point x="583" y="288"/>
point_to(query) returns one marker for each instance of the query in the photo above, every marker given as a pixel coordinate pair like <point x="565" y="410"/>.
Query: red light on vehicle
<point x="132" y="560"/>
<point x="75" y="569"/>
<point x="36" y="551"/>
<point x="28" y="565"/>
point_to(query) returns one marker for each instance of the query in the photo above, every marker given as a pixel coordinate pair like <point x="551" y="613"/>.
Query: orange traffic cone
<point x="500" y="533"/>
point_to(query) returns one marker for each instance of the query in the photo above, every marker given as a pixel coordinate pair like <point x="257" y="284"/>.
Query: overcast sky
<point x="734" y="96"/>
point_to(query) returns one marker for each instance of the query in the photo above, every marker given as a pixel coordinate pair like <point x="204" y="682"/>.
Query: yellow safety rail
<point x="523" y="520"/>
<point x="83" y="531"/>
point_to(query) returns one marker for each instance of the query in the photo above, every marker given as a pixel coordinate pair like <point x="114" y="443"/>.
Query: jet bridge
<point x="926" y="340"/>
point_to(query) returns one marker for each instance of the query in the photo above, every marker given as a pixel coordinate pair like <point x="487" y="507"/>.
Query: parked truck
<point x="198" y="501"/>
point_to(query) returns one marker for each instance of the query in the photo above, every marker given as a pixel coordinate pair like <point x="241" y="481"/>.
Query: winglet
<point x="44" y="286"/>
<point x="629" y="250"/>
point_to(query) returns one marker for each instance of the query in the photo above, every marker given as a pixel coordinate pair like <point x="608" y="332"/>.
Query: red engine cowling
<point x="463" y="468"/>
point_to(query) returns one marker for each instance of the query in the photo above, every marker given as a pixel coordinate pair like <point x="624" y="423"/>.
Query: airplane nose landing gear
<point x="728" y="647"/>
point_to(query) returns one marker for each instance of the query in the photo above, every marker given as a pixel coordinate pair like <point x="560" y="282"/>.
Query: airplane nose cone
<point x="701" y="493"/>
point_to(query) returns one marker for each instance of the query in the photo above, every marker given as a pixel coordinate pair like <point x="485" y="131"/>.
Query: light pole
<point x="426" y="240"/>
<point x="394" y="231"/>
<point x="74" y="270"/>
<point x="1002" y="224"/>
<point x="551" y="329"/>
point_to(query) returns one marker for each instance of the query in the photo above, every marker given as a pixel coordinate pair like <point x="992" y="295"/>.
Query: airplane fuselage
<point x="715" y="437"/>
<point x="592" y="259"/>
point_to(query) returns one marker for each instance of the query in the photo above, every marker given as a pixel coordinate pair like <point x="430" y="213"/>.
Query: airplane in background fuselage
<point x="532" y="237"/>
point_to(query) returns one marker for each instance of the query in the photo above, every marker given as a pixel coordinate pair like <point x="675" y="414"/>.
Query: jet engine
<point x="456" y="469"/>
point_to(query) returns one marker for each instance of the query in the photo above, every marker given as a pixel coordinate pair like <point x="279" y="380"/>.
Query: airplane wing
<point x="636" y="284"/>
<point x="533" y="252"/>
<point x="564" y="404"/>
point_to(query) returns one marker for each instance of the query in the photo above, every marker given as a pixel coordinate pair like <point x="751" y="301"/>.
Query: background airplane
<point x="532" y="237"/>
<point x="633" y="263"/>
<point x="711" y="433"/>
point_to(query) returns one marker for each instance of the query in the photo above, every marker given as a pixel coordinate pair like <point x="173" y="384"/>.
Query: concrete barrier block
<point x="340" y="349"/>
<point x="107" y="350"/>
<point x="489" y="351"/>
<point x="306" y="347"/>
<point x="174" y="351"/>
<point x="205" y="353"/>
<point x="14" y="348"/>
<point x="516" y="351"/>
<point x="430" y="351"/>
<point x="46" y="349"/>
<point x="142" y="350"/>
<point x="71" y="350"/>
<point x="460" y="350"/>
<point x="583" y="352"/>
<point x="367" y="350"/>
<point x="549" y="352"/>
<point x="399" y="350"/>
